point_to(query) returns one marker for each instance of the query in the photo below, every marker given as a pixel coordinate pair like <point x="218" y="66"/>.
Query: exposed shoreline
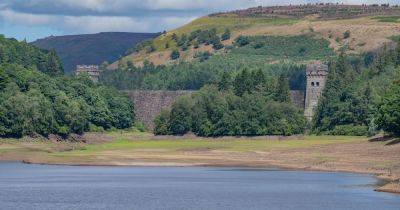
<point x="328" y="154"/>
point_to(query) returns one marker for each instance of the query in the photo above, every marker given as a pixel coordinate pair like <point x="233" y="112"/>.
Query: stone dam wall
<point x="149" y="103"/>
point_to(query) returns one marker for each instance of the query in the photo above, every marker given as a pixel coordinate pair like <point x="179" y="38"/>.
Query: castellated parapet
<point x="316" y="73"/>
<point x="92" y="70"/>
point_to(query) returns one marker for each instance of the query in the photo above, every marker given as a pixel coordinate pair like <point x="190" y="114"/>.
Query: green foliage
<point x="208" y="69"/>
<point x="207" y="36"/>
<point x="140" y="126"/>
<point x="225" y="83"/>
<point x="92" y="48"/>
<point x="244" y="108"/>
<point x="203" y="56"/>
<point x="349" y="130"/>
<point x="242" y="41"/>
<point x="33" y="102"/>
<point x="180" y="120"/>
<point x="389" y="19"/>
<point x="28" y="56"/>
<point x="340" y="104"/>
<point x="217" y="45"/>
<point x="162" y="123"/>
<point x="182" y="41"/>
<point x="346" y="34"/>
<point x="282" y="93"/>
<point x="144" y="45"/>
<point x="246" y="82"/>
<point x="301" y="47"/>
<point x="352" y="103"/>
<point x="175" y="54"/>
<point x="226" y="35"/>
<point x="388" y="114"/>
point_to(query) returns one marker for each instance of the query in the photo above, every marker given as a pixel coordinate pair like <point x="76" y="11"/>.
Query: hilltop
<point x="357" y="28"/>
<point x="91" y="48"/>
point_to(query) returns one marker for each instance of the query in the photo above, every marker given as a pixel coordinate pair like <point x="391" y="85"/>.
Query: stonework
<point x="148" y="103"/>
<point x="297" y="98"/>
<point x="316" y="77"/>
<point x="92" y="70"/>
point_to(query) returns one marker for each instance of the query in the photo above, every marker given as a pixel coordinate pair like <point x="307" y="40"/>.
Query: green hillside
<point x="257" y="52"/>
<point x="91" y="48"/>
<point x="246" y="60"/>
<point x="355" y="28"/>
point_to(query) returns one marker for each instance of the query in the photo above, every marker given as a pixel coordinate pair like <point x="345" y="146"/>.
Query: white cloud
<point x="94" y="24"/>
<point x="26" y="19"/>
<point x="91" y="16"/>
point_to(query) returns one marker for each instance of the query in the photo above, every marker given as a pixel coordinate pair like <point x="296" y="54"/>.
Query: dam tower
<point x="316" y="73"/>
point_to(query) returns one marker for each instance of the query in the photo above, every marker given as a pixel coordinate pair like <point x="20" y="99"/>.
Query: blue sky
<point x="33" y="19"/>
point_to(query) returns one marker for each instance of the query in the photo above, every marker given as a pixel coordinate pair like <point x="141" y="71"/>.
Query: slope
<point x="91" y="48"/>
<point x="357" y="28"/>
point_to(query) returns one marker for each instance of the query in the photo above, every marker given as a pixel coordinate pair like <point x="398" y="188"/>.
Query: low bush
<point x="349" y="130"/>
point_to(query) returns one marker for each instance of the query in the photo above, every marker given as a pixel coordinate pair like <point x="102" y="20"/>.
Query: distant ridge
<point x="326" y="11"/>
<point x="91" y="48"/>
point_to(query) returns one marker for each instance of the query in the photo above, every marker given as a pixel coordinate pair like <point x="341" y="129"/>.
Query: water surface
<point x="24" y="186"/>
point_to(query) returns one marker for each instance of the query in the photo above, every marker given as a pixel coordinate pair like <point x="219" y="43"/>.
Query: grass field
<point x="388" y="19"/>
<point x="225" y="144"/>
<point x="219" y="23"/>
<point x="367" y="33"/>
<point x="231" y="22"/>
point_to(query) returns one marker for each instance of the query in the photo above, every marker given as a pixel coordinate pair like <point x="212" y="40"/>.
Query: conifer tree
<point x="282" y="91"/>
<point x="225" y="82"/>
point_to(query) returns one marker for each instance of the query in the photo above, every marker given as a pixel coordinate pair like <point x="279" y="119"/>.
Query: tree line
<point x="246" y="104"/>
<point x="273" y="54"/>
<point x="360" y="94"/>
<point x="361" y="97"/>
<point x="36" y="98"/>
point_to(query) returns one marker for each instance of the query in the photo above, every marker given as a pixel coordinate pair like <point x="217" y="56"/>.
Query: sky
<point x="33" y="19"/>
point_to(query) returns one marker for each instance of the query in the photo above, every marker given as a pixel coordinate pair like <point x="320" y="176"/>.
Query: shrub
<point x="349" y="130"/>
<point x="346" y="35"/>
<point x="140" y="126"/>
<point x="162" y="123"/>
<point x="94" y="128"/>
<point x="226" y="35"/>
<point x="175" y="54"/>
<point x="203" y="56"/>
<point x="180" y="120"/>
<point x="218" y="46"/>
<point x="242" y="41"/>
<point x="258" y="45"/>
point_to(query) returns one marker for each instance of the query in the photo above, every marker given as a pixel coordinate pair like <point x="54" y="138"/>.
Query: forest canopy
<point x="249" y="104"/>
<point x="36" y="98"/>
<point x="359" y="97"/>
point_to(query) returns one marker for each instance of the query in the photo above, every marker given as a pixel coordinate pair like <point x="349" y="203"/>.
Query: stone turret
<point x="316" y="73"/>
<point x="92" y="70"/>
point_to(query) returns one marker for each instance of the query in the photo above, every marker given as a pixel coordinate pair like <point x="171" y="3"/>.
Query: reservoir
<point x="24" y="186"/>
